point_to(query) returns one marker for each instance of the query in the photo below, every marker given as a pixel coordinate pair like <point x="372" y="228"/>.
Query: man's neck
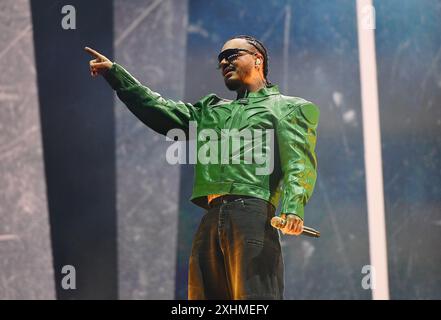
<point x="249" y="88"/>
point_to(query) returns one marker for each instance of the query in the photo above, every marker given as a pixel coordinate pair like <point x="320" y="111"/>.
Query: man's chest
<point x="239" y="115"/>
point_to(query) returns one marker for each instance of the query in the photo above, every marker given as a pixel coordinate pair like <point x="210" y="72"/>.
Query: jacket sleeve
<point x="150" y="107"/>
<point x="296" y="136"/>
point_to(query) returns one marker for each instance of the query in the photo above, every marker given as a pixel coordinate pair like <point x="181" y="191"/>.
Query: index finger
<point x="93" y="52"/>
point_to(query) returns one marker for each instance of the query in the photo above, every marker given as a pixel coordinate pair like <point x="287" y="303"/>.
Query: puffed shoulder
<point x="295" y="107"/>
<point x="311" y="112"/>
<point x="209" y="98"/>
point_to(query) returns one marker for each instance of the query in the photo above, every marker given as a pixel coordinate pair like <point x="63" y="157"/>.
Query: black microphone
<point x="279" y="223"/>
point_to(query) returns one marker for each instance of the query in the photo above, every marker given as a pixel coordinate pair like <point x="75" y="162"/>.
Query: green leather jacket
<point x="293" y="121"/>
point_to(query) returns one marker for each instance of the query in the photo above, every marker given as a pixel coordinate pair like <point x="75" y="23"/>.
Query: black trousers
<point x="236" y="253"/>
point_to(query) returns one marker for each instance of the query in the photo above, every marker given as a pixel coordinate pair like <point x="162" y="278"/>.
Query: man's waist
<point x="218" y="199"/>
<point x="211" y="197"/>
<point x="202" y="192"/>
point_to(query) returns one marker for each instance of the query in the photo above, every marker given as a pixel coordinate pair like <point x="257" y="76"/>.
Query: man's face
<point x="238" y="70"/>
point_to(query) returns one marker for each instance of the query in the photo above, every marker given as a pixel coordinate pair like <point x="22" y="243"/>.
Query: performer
<point x="236" y="254"/>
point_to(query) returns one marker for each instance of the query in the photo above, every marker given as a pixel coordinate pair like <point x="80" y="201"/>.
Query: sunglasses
<point x="231" y="55"/>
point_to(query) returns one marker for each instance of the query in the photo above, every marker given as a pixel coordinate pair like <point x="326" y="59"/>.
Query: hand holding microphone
<point x="293" y="225"/>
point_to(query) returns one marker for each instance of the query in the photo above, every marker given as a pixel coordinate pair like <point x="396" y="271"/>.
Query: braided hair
<point x="262" y="50"/>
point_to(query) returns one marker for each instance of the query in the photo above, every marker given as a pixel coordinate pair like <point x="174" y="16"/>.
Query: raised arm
<point x="150" y="107"/>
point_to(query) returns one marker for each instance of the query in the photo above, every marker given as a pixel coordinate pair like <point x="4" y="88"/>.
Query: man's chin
<point x="232" y="85"/>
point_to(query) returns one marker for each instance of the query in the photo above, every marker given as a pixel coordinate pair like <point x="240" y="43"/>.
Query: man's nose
<point x="223" y="63"/>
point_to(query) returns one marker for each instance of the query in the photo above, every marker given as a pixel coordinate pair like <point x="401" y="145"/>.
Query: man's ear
<point x="259" y="56"/>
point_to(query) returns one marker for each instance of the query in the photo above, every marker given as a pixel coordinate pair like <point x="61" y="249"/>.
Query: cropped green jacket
<point x="282" y="128"/>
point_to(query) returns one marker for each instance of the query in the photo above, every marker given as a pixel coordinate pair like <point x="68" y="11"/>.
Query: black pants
<point x="236" y="253"/>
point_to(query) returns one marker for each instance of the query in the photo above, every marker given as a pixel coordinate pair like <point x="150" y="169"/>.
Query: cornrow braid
<point x="261" y="48"/>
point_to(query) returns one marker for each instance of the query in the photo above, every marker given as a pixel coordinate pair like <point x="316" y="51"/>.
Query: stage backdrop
<point x="25" y="249"/>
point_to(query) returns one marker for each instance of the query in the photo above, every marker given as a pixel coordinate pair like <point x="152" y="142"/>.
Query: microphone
<point x="279" y="223"/>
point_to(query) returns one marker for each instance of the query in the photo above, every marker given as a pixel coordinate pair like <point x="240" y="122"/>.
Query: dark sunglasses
<point x="231" y="54"/>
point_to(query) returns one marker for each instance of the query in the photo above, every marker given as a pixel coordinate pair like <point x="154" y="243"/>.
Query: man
<point x="236" y="254"/>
